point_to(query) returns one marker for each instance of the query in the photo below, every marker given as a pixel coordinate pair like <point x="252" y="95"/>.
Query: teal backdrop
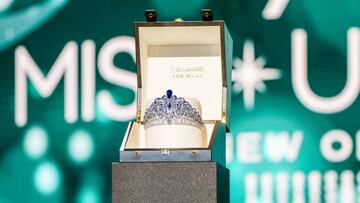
<point x="67" y="92"/>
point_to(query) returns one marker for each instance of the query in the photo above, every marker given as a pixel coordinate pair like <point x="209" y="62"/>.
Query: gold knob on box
<point x="179" y="20"/>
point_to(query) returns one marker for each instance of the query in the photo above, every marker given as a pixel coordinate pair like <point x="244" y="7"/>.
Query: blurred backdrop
<point x="68" y="81"/>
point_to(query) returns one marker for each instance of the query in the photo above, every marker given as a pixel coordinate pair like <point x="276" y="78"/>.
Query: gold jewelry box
<point x="194" y="59"/>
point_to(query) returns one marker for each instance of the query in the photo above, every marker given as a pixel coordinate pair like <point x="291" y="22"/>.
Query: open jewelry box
<point x="194" y="59"/>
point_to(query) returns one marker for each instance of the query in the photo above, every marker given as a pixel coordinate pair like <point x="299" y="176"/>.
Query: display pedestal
<point x="170" y="182"/>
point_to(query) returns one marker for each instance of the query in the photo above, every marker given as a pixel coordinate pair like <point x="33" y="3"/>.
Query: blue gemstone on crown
<point x="170" y="109"/>
<point x="169" y="93"/>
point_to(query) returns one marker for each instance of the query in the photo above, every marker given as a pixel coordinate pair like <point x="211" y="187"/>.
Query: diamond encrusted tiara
<point x="170" y="109"/>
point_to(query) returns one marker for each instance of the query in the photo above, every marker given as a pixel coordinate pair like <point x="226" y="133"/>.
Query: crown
<point x="171" y="110"/>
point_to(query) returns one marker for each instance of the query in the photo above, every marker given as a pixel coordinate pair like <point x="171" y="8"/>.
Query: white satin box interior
<point x="181" y="67"/>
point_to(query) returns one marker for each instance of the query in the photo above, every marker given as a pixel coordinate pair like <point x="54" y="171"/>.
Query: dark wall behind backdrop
<point x="294" y="138"/>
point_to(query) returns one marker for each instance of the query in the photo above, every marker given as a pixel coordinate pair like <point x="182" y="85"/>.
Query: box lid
<point x="191" y="58"/>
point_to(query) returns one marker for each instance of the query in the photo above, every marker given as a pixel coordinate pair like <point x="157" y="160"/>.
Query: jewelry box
<point x="192" y="59"/>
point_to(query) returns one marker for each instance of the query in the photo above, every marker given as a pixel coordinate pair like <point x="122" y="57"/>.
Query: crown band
<point x="171" y="110"/>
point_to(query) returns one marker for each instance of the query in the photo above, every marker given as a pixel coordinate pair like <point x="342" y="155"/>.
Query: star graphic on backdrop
<point x="249" y="74"/>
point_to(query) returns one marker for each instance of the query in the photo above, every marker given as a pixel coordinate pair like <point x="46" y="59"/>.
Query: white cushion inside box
<point x="135" y="136"/>
<point x="176" y="135"/>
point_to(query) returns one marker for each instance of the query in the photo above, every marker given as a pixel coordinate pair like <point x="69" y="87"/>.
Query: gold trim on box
<point x="223" y="117"/>
<point x="138" y="116"/>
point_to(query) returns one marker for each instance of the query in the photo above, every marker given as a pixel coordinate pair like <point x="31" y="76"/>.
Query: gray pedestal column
<point x="170" y="182"/>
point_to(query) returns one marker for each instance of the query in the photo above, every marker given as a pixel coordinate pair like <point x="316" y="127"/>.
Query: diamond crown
<point x="170" y="109"/>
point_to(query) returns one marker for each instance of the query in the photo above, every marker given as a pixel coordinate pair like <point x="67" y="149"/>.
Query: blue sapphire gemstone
<point x="169" y="93"/>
